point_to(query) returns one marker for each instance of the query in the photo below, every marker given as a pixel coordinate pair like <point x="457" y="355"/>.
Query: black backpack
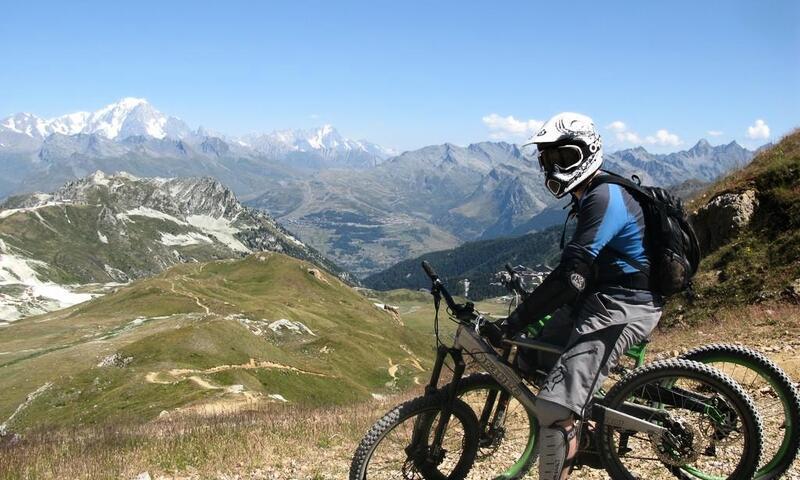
<point x="669" y="237"/>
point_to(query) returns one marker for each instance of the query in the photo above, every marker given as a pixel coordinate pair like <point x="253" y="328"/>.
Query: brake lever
<point x="479" y="322"/>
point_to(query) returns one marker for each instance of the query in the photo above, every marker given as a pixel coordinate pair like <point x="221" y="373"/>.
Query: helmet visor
<point x="563" y="158"/>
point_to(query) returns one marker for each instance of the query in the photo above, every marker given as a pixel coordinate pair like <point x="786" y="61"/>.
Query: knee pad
<point x="554" y="446"/>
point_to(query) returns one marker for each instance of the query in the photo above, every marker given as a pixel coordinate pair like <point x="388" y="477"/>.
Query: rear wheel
<point x="775" y="398"/>
<point x="712" y="428"/>
<point x="400" y="445"/>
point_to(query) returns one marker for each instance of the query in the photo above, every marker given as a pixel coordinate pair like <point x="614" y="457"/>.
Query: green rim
<point x="518" y="468"/>
<point x="787" y="435"/>
<point x="697" y="473"/>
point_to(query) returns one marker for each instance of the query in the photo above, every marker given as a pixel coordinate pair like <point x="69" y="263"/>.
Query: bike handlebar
<point x="515" y="285"/>
<point x="430" y="271"/>
<point x="457" y="309"/>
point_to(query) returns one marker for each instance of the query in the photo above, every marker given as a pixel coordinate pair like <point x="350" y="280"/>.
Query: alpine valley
<point x="359" y="204"/>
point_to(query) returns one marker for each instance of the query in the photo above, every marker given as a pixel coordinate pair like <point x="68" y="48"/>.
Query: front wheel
<point x="712" y="428"/>
<point x="508" y="431"/>
<point x="401" y="444"/>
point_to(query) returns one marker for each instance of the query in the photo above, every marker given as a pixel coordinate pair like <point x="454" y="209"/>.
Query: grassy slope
<point x="174" y="331"/>
<point x="761" y="262"/>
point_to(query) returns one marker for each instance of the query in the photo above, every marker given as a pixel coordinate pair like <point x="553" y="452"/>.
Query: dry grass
<point x="272" y="441"/>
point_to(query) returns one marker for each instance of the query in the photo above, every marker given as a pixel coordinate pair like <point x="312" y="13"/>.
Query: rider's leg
<point x="558" y="440"/>
<point x="601" y="334"/>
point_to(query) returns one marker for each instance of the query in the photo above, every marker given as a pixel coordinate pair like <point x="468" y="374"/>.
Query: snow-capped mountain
<point x="324" y="141"/>
<point x="324" y="138"/>
<point x="132" y="128"/>
<point x="126" y="118"/>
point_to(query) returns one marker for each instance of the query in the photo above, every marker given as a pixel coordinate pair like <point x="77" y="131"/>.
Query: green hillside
<point x="198" y="337"/>
<point x="477" y="261"/>
<point x="761" y="261"/>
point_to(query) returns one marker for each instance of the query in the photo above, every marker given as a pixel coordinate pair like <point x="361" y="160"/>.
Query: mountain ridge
<point x="105" y="229"/>
<point x="458" y="194"/>
<point x="136" y="117"/>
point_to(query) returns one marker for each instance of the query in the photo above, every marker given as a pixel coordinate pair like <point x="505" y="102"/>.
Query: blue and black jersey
<point x="607" y="252"/>
<point x="609" y="235"/>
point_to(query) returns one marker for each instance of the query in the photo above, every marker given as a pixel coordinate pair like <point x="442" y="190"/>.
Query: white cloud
<point x="758" y="131"/>
<point x="617" y="126"/>
<point x="714" y="133"/>
<point x="623" y="134"/>
<point x="509" y="128"/>
<point x="663" y="138"/>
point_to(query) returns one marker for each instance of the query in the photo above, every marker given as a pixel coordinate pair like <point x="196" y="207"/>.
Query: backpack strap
<point x="630" y="260"/>
<point x="639" y="193"/>
<point x="610" y="177"/>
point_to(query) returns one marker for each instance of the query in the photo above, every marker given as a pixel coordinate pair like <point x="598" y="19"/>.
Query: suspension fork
<point x="441" y="354"/>
<point x="450" y="394"/>
<point x="420" y="435"/>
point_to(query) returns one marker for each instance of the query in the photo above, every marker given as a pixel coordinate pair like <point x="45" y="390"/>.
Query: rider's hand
<point x="494" y="332"/>
<point x="515" y="322"/>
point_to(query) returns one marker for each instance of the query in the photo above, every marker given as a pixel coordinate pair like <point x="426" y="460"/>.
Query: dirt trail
<point x="186" y="293"/>
<point x="181" y="374"/>
<point x="415" y="361"/>
<point x="28" y="399"/>
<point x="252" y="365"/>
<point x="393" y="370"/>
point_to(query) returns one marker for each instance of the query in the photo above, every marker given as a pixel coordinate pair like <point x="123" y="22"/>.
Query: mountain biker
<point x="601" y="304"/>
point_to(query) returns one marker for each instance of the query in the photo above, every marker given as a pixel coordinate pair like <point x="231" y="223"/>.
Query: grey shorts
<point x="595" y="333"/>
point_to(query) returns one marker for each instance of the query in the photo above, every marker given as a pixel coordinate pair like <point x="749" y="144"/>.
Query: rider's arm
<point x="601" y="215"/>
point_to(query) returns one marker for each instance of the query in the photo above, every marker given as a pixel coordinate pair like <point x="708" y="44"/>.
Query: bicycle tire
<point x="429" y="404"/>
<point x="647" y="374"/>
<point x="776" y="466"/>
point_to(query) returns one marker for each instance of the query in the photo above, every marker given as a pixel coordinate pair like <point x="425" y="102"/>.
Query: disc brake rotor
<point x="679" y="446"/>
<point x="722" y="431"/>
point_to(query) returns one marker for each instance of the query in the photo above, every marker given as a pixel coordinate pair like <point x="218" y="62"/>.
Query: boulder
<point x="723" y="217"/>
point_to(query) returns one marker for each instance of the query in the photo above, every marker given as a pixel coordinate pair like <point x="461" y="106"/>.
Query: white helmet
<point x="570" y="151"/>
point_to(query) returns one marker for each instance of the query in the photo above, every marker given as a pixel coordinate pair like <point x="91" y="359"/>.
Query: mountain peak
<point x="325" y="141"/>
<point x="130" y="102"/>
<point x="127" y="117"/>
<point x="702" y="143"/>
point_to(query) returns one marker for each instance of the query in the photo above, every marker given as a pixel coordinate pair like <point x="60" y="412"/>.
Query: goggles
<point x="563" y="158"/>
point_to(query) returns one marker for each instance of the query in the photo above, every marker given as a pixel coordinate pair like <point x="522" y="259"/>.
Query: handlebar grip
<point x="429" y="270"/>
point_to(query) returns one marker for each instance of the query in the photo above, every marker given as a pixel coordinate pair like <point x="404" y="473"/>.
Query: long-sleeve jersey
<point x="606" y="250"/>
<point x="609" y="234"/>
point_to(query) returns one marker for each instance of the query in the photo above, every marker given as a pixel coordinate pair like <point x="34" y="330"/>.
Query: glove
<point x="516" y="321"/>
<point x="494" y="332"/>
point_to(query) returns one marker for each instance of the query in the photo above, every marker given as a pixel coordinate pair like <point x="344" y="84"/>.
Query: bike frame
<point x="469" y="342"/>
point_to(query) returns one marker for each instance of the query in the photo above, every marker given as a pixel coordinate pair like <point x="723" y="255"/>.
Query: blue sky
<point x="407" y="74"/>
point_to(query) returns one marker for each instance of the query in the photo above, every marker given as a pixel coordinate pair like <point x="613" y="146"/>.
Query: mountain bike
<point x="776" y="399"/>
<point x="675" y="417"/>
